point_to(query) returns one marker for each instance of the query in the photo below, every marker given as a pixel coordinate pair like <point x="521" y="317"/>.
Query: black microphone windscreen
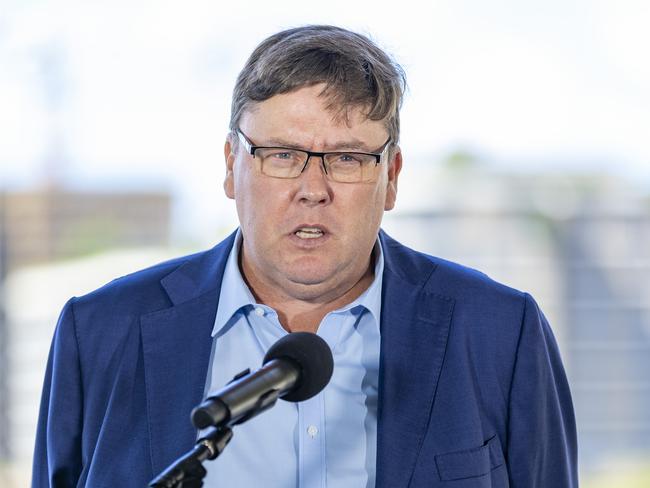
<point x="314" y="357"/>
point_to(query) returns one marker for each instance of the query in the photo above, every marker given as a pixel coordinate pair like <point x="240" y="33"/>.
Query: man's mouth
<point x="309" y="232"/>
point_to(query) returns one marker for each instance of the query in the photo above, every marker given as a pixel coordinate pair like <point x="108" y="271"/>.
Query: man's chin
<point x="308" y="280"/>
<point x="310" y="285"/>
<point x="310" y="272"/>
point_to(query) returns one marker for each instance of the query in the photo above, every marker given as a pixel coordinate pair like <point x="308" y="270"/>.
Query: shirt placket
<point x="311" y="420"/>
<point x="311" y="425"/>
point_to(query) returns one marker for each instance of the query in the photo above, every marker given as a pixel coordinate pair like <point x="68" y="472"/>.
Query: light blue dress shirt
<point x="328" y="441"/>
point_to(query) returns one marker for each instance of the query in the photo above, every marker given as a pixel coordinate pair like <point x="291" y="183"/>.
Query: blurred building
<point x="47" y="225"/>
<point x="607" y="281"/>
<point x="37" y="228"/>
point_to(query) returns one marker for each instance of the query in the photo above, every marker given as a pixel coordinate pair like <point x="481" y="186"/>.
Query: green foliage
<point x="460" y="160"/>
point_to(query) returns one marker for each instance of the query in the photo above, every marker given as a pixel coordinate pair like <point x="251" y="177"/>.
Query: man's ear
<point x="229" y="155"/>
<point x="394" y="168"/>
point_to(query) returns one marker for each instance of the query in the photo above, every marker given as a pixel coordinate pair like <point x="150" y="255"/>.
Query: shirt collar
<point x="235" y="294"/>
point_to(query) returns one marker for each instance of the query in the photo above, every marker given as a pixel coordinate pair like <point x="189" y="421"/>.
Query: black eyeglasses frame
<point x="251" y="148"/>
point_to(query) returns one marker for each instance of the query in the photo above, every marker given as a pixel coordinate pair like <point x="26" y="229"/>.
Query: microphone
<point x="295" y="368"/>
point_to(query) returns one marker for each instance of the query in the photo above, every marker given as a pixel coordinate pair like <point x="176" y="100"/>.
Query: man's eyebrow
<point x="348" y="145"/>
<point x="278" y="141"/>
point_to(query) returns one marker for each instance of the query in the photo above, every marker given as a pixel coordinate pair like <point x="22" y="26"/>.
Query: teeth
<point x="309" y="233"/>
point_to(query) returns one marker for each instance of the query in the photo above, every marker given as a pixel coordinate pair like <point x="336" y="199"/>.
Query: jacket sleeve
<point x="542" y="444"/>
<point x="57" y="455"/>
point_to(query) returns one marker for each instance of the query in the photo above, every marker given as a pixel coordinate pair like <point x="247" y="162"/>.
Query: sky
<point x="136" y="94"/>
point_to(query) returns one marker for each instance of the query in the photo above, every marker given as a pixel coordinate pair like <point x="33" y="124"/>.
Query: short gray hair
<point x="355" y="71"/>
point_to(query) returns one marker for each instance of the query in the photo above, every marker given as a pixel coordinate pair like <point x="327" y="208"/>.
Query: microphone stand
<point x="187" y="471"/>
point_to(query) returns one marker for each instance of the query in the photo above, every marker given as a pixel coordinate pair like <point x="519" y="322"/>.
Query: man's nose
<point x="314" y="188"/>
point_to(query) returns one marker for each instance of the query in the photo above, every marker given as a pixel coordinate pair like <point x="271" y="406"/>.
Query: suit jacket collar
<point x="415" y="324"/>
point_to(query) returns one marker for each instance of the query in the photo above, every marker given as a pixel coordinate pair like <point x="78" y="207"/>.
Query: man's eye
<point x="282" y="155"/>
<point x="347" y="158"/>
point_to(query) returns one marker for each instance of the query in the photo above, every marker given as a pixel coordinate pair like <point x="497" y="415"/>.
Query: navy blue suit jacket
<point x="472" y="392"/>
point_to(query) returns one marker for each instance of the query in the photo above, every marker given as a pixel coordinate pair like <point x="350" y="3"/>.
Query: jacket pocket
<point x="470" y="463"/>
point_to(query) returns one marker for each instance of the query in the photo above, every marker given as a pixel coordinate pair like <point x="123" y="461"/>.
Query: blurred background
<point x="526" y="140"/>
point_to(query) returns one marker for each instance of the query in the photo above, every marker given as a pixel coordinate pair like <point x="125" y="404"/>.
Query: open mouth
<point x="309" y="232"/>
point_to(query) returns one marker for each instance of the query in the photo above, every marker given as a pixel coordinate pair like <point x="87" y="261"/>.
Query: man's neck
<point x="300" y="316"/>
<point x="297" y="315"/>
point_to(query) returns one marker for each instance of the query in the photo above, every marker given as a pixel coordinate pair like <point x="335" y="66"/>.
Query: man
<point x="442" y="377"/>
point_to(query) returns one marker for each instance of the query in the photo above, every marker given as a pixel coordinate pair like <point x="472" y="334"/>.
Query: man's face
<point x="307" y="238"/>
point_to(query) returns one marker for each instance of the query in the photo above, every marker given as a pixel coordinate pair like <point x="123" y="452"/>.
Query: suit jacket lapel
<point x="414" y="330"/>
<point x="176" y="345"/>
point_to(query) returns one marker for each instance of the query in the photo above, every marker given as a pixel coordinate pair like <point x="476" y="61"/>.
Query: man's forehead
<point x="291" y="117"/>
<point x="318" y="97"/>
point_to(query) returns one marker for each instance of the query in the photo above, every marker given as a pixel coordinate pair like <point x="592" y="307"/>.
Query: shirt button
<point x="312" y="430"/>
<point x="259" y="311"/>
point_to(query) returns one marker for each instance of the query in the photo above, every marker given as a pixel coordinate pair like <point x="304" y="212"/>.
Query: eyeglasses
<point x="286" y="162"/>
